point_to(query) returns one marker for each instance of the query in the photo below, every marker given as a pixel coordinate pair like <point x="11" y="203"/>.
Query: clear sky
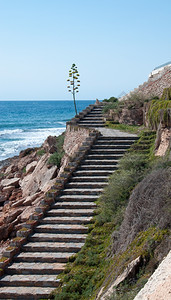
<point x="114" y="43"/>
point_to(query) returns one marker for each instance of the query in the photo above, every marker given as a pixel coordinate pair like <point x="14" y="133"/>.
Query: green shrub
<point x="55" y="158"/>
<point x="111" y="99"/>
<point x="41" y="152"/>
<point x="60" y="142"/>
<point x="116" y="194"/>
<point x="154" y="112"/>
<point x="135" y="100"/>
<point x="109" y="106"/>
<point x="166" y="94"/>
<point x="24" y="170"/>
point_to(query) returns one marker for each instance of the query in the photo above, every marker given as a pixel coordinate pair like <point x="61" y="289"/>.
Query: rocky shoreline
<point x="6" y="162"/>
<point x="24" y="180"/>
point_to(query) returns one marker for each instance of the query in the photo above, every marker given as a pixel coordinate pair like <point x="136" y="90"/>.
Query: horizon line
<point x="47" y="100"/>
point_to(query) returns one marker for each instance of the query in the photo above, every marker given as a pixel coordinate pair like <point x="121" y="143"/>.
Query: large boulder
<point x="10" y="182"/>
<point x="49" y="144"/>
<point x="42" y="174"/>
<point x="30" y="167"/>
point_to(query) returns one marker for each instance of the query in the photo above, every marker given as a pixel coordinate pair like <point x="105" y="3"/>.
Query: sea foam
<point x="13" y="141"/>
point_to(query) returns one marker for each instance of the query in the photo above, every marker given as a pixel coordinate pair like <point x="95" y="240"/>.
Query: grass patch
<point x="125" y="128"/>
<point x="56" y="157"/>
<point x="154" y="112"/>
<point x="87" y="269"/>
<point x="41" y="152"/>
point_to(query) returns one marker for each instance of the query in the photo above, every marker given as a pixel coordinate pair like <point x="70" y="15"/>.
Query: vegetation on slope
<point x="154" y="112"/>
<point x="102" y="251"/>
<point x="133" y="101"/>
<point x="132" y="221"/>
<point x="137" y="103"/>
<point x="56" y="157"/>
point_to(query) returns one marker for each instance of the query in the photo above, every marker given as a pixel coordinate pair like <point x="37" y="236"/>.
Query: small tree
<point x="73" y="83"/>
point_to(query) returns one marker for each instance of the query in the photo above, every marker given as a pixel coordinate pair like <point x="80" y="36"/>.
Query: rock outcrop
<point x="25" y="180"/>
<point x="159" y="284"/>
<point x="23" y="185"/>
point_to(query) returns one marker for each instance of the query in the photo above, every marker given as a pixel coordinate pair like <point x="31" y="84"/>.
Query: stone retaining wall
<point x="154" y="86"/>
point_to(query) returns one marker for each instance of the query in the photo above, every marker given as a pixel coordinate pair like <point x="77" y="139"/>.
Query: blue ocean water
<point x="25" y="124"/>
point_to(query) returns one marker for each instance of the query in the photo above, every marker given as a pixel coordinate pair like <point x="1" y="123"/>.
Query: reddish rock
<point x="10" y="182"/>
<point x="30" y="199"/>
<point x="14" y="212"/>
<point x="26" y="213"/>
<point x="50" y="144"/>
<point x="34" y="182"/>
<point x="17" y="203"/>
<point x="9" y="188"/>
<point x="30" y="167"/>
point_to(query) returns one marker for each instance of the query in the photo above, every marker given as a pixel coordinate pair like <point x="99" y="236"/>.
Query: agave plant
<point x="73" y="83"/>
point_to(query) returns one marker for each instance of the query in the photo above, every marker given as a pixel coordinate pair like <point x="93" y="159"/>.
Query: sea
<point x="26" y="124"/>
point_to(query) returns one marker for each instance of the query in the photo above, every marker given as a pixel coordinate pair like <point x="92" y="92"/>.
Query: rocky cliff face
<point x="22" y="186"/>
<point x="27" y="178"/>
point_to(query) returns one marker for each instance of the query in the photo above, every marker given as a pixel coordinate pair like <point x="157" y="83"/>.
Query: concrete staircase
<point x="93" y="118"/>
<point x="62" y="232"/>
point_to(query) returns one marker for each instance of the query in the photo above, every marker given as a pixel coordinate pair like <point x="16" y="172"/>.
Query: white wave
<point x="61" y="123"/>
<point x="26" y="139"/>
<point x="10" y="131"/>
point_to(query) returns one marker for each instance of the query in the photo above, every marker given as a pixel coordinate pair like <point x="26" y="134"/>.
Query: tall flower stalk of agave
<point x="73" y="83"/>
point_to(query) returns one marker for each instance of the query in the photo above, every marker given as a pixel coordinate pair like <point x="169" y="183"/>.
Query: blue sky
<point x="114" y="43"/>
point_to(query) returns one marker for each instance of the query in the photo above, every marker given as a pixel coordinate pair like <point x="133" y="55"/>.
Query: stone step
<point x="91" y="125"/>
<point x="30" y="280"/>
<point x="92" y="121"/>
<point x="70" y="212"/>
<point x="66" y="220"/>
<point x="52" y="247"/>
<point x="104" y="147"/>
<point x="132" y="138"/>
<point x="104" y="156"/>
<point x="61" y="228"/>
<point x="77" y="197"/>
<point x="85" y="185"/>
<point x="52" y="237"/>
<point x="93" y="118"/>
<point x="96" y="110"/>
<point x="35" y="268"/>
<point x="93" y="173"/>
<point x="114" y="142"/>
<point x="107" y="151"/>
<point x="95" y="114"/>
<point x="25" y="293"/>
<point x="75" y="205"/>
<point x="90" y="179"/>
<point x="45" y="257"/>
<point x="85" y="191"/>
<point x="98" y="167"/>
<point x="100" y="162"/>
